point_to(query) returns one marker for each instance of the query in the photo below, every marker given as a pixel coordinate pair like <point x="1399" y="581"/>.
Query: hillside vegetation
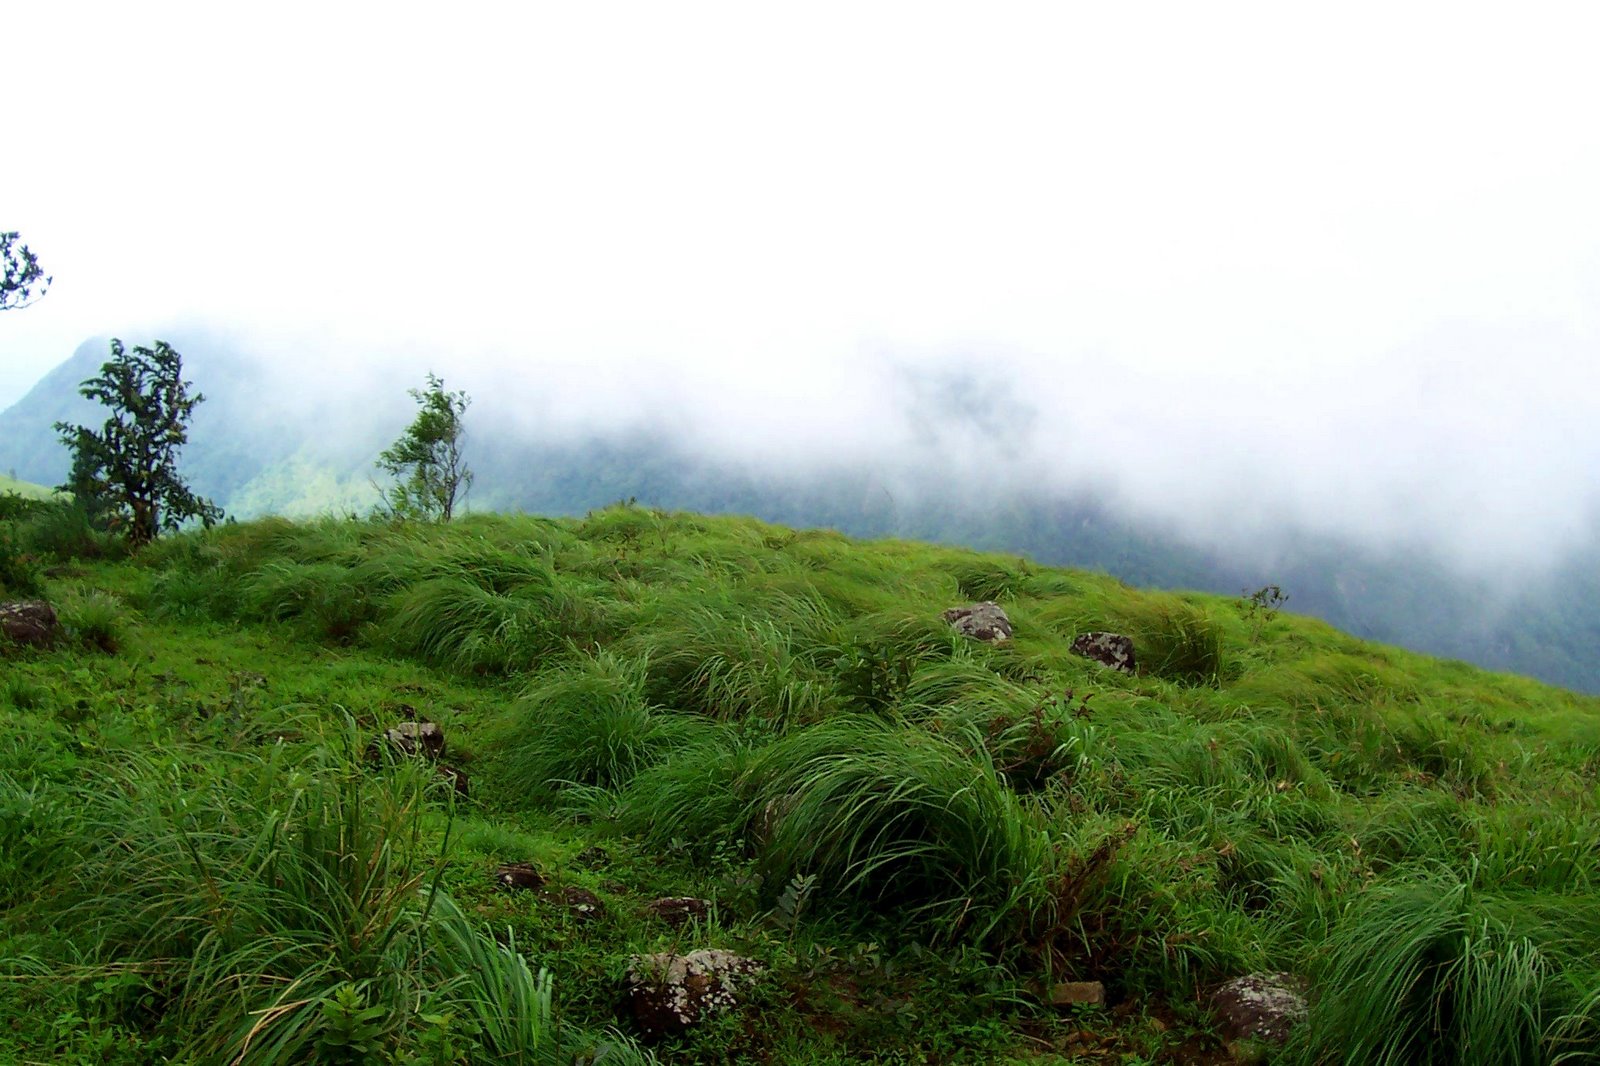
<point x="916" y="834"/>
<point x="260" y="444"/>
<point x="10" y="486"/>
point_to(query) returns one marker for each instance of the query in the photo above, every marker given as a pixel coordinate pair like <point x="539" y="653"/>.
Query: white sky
<point x="1333" y="262"/>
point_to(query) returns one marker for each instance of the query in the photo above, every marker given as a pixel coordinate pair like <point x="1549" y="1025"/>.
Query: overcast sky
<point x="1231" y="263"/>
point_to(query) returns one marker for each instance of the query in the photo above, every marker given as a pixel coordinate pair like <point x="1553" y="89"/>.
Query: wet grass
<point x="909" y="828"/>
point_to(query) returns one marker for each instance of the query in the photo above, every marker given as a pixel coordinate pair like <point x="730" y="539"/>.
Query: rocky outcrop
<point x="984" y="621"/>
<point x="1260" y="1006"/>
<point x="29" y="622"/>
<point x="679" y="910"/>
<point x="1111" y="650"/>
<point x="669" y="993"/>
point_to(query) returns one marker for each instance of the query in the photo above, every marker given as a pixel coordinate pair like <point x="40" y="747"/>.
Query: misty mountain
<point x="265" y="441"/>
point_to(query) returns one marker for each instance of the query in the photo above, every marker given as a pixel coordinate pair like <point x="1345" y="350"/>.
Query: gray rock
<point x="669" y="993"/>
<point x="409" y="738"/>
<point x="984" y="621"/>
<point x="30" y="622"/>
<point x="1260" y="1006"/>
<point x="1108" y="649"/>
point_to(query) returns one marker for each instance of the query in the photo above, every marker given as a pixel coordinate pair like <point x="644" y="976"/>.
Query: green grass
<point x="910" y="829"/>
<point x="26" y="489"/>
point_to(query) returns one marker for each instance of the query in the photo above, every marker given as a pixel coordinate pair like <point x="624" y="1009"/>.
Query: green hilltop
<point x="917" y="835"/>
<point x="10" y="486"/>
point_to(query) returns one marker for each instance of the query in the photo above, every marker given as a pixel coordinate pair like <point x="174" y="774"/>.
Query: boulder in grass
<point x="584" y="905"/>
<point x="29" y="622"/>
<point x="411" y="738"/>
<point x="984" y="621"/>
<point x="1260" y="1006"/>
<point x="1078" y="994"/>
<point x="519" y="877"/>
<point x="669" y="993"/>
<point x="679" y="910"/>
<point x="1112" y="650"/>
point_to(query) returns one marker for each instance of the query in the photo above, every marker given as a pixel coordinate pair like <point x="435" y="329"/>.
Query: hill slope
<point x="25" y="489"/>
<point x="908" y="828"/>
<point x="266" y="443"/>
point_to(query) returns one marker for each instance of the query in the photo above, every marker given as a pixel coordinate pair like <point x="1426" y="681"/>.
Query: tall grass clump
<point x="732" y="660"/>
<point x="591" y="723"/>
<point x="325" y="596"/>
<point x="284" y="909"/>
<point x="93" y="619"/>
<point x="66" y="530"/>
<point x="1179" y="641"/>
<point x="983" y="579"/>
<point x="1431" y="971"/>
<point x="700" y="797"/>
<point x="455" y="623"/>
<point x="891" y="815"/>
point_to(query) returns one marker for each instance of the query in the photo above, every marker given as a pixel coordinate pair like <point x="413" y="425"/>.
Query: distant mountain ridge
<point x="260" y="445"/>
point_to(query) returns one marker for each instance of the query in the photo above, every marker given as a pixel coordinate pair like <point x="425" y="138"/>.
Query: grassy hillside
<point x="25" y="489"/>
<point x="914" y="832"/>
<point x="261" y="443"/>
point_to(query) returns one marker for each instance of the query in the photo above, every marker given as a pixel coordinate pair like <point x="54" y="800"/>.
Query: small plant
<point x="1261" y="606"/>
<point x="353" y="1033"/>
<point x="792" y="903"/>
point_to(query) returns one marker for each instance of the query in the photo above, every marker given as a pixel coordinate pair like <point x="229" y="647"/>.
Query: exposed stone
<point x="1108" y="649"/>
<point x="1260" y="1006"/>
<point x="30" y="622"/>
<point x="584" y="905"/>
<point x="409" y="738"/>
<point x="677" y="910"/>
<point x="519" y="876"/>
<point x="1074" y="993"/>
<point x="668" y="993"/>
<point x="984" y="621"/>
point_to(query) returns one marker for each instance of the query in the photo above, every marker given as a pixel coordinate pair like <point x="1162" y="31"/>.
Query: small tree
<point x="23" y="280"/>
<point x="426" y="459"/>
<point x="127" y="473"/>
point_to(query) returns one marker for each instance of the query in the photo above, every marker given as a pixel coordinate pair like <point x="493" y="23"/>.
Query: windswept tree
<point x="432" y="478"/>
<point x="127" y="472"/>
<point x="23" y="280"/>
